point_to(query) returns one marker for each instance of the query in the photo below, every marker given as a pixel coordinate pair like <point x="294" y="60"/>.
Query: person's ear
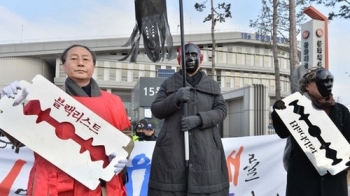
<point x="307" y="87"/>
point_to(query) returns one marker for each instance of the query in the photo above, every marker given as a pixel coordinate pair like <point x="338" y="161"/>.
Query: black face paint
<point x="324" y="82"/>
<point x="192" y="58"/>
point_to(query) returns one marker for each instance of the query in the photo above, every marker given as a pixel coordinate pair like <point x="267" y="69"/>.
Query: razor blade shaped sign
<point x="46" y="113"/>
<point x="316" y="134"/>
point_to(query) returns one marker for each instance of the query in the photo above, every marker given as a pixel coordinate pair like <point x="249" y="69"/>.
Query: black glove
<point x="279" y="105"/>
<point x="183" y="94"/>
<point x="190" y="122"/>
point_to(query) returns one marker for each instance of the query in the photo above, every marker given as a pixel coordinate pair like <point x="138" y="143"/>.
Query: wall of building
<point x="23" y="68"/>
<point x="242" y="61"/>
<point x="248" y="111"/>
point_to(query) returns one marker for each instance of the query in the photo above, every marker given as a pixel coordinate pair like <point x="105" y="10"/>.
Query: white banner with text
<point x="254" y="164"/>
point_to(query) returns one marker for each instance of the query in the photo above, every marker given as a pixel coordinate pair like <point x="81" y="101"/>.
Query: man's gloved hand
<point x="11" y="90"/>
<point x="118" y="167"/>
<point x="280" y="105"/>
<point x="183" y="94"/>
<point x="190" y="122"/>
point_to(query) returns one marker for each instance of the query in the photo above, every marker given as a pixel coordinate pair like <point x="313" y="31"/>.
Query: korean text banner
<point x="254" y="164"/>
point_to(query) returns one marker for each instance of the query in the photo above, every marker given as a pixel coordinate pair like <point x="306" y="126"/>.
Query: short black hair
<point x="64" y="54"/>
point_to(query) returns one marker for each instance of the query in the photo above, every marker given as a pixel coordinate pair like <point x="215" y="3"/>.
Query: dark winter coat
<point x="302" y="177"/>
<point x="150" y="138"/>
<point x="207" y="171"/>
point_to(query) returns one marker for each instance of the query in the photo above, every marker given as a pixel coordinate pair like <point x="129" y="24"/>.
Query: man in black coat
<point x="206" y="174"/>
<point x="302" y="176"/>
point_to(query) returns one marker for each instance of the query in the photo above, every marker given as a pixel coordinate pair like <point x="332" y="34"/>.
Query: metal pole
<point x="185" y="109"/>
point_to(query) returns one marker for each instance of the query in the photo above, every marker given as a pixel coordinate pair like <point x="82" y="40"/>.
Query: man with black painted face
<point x="324" y="82"/>
<point x="317" y="85"/>
<point x="207" y="173"/>
<point x="192" y="59"/>
<point x="319" y="88"/>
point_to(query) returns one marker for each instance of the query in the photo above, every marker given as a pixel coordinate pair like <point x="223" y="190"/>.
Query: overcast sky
<point x="39" y="20"/>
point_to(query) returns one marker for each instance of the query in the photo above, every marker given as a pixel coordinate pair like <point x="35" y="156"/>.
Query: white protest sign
<point x="42" y="135"/>
<point x="316" y="134"/>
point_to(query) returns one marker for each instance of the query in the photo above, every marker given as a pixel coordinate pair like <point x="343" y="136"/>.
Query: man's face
<point x="149" y="132"/>
<point x="140" y="128"/>
<point x="79" y="65"/>
<point x="315" y="95"/>
<point x="313" y="91"/>
<point x="192" y="58"/>
<point x="324" y="82"/>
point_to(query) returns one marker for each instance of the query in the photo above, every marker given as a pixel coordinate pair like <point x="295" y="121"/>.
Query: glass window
<point x="220" y="57"/>
<point x="100" y="70"/>
<point x="135" y="75"/>
<point x="272" y="85"/>
<point x="257" y="60"/>
<point x="112" y="70"/>
<point x="124" y="75"/>
<point x="257" y="50"/>
<point x="239" y="59"/>
<point x="241" y="79"/>
<point x="230" y="58"/>
<point x="237" y="82"/>
<point x="249" y="58"/>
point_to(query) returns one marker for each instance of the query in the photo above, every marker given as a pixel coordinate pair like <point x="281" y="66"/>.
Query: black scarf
<point x="195" y="79"/>
<point x="72" y="88"/>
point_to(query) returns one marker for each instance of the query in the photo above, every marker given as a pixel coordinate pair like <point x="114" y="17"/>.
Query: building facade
<point x="242" y="60"/>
